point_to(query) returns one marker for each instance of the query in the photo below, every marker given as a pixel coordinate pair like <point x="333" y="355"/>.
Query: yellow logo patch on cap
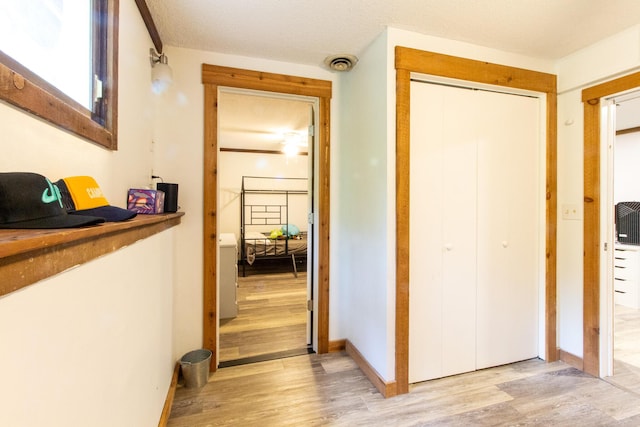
<point x="85" y="192"/>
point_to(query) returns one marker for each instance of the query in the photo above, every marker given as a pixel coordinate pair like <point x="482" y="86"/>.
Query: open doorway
<point x="623" y="263"/>
<point x="597" y="228"/>
<point x="214" y="78"/>
<point x="265" y="193"/>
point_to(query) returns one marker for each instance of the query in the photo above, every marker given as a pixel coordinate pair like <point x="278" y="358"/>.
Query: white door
<point x="508" y="224"/>
<point x="473" y="266"/>
<point x="443" y="238"/>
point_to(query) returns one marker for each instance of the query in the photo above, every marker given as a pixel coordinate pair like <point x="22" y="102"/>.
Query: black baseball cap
<point x="29" y="200"/>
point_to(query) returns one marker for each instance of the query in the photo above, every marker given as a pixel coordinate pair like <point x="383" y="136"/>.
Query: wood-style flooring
<point x="330" y="390"/>
<point x="626" y="349"/>
<point x="272" y="316"/>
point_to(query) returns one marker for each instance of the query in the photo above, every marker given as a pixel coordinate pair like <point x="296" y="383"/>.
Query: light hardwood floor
<point x="329" y="389"/>
<point x="626" y="350"/>
<point x="272" y="316"/>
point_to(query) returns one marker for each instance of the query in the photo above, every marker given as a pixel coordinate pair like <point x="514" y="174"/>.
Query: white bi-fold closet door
<point x="475" y="221"/>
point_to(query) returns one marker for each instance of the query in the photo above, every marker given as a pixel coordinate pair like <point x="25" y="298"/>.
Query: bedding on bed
<point x="261" y="246"/>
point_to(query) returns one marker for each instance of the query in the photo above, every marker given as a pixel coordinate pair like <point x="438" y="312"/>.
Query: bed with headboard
<point x="273" y="213"/>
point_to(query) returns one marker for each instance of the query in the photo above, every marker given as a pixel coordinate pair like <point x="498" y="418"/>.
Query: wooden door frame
<point x="409" y="61"/>
<point x="213" y="77"/>
<point x="591" y="231"/>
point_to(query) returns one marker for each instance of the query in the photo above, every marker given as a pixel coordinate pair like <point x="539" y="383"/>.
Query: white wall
<point x="362" y="234"/>
<point x="569" y="232"/>
<point x="608" y="59"/>
<point x="367" y="177"/>
<point x="362" y="219"/>
<point x="233" y="166"/>
<point x="92" y="346"/>
<point x="626" y="176"/>
<point x="178" y="154"/>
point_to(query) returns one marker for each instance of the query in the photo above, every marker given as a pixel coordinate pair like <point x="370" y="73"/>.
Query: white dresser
<point x="228" y="275"/>
<point x="626" y="276"/>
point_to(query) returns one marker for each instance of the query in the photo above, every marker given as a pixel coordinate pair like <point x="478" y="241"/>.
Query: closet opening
<point x="477" y="219"/>
<point x="410" y="62"/>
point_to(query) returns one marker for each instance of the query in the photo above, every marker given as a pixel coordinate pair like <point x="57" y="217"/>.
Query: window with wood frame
<point x="58" y="61"/>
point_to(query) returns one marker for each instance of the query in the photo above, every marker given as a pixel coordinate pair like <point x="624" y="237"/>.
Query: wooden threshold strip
<point x="28" y="256"/>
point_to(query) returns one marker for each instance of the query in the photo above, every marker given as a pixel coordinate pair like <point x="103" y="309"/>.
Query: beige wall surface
<point x="93" y="345"/>
<point x="163" y="134"/>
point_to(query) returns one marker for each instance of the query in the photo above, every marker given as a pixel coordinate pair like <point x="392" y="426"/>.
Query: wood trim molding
<point x="629" y="130"/>
<point x="571" y="359"/>
<point x="168" y="402"/>
<point x="409" y="61"/>
<point x="28" y="92"/>
<point x="591" y="228"/>
<point x="437" y="64"/>
<point x="337" y="345"/>
<point x="387" y="389"/>
<point x="611" y="87"/>
<point x="403" y="185"/>
<point x="258" y="80"/>
<point x="248" y="151"/>
<point x="27" y="95"/>
<point x="28" y="256"/>
<point x="591" y="240"/>
<point x="213" y="77"/>
<point x="151" y="26"/>
<point x="551" y="233"/>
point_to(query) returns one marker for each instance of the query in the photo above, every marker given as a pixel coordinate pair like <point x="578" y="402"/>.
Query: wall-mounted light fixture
<point x="161" y="74"/>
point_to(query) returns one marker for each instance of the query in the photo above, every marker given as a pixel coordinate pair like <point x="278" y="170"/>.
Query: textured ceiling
<point x="306" y="31"/>
<point x="260" y="122"/>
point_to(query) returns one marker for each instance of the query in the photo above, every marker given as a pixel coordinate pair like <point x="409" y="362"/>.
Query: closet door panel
<point x="459" y="232"/>
<point x="508" y="224"/>
<point x="442" y="241"/>
<point x="425" y="275"/>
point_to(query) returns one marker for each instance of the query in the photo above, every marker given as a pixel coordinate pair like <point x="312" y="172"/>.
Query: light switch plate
<point x="570" y="212"/>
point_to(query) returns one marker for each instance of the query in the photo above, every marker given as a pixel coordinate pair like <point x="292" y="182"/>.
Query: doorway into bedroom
<point x="265" y="199"/>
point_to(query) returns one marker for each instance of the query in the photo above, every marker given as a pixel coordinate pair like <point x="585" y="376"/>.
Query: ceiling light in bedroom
<point x="161" y="74"/>
<point x="290" y="150"/>
<point x="292" y="143"/>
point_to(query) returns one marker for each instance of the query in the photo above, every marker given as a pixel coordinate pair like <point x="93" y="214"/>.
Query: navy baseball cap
<point x="81" y="195"/>
<point x="29" y="200"/>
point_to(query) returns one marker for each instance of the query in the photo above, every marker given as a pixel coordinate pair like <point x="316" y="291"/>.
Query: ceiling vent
<point x="341" y="62"/>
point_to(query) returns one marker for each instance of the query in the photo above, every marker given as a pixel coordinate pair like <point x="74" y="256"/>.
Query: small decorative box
<point x="145" y="201"/>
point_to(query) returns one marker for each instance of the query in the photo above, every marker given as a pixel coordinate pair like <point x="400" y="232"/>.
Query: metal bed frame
<point x="267" y="214"/>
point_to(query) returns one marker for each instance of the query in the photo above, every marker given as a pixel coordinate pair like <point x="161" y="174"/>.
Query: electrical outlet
<point x="570" y="212"/>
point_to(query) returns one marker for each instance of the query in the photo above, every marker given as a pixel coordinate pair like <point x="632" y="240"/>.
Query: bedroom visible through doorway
<point x="265" y="199"/>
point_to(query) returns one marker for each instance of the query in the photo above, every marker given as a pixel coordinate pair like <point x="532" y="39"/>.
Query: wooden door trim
<point x="591" y="229"/>
<point x="411" y="60"/>
<point x="213" y="77"/>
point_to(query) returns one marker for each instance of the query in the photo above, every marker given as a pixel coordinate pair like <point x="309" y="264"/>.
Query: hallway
<point x="329" y="389"/>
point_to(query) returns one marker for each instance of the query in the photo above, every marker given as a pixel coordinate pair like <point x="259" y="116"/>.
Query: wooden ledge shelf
<point x="28" y="256"/>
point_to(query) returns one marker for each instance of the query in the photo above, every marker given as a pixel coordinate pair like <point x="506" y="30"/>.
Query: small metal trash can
<point x="195" y="368"/>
